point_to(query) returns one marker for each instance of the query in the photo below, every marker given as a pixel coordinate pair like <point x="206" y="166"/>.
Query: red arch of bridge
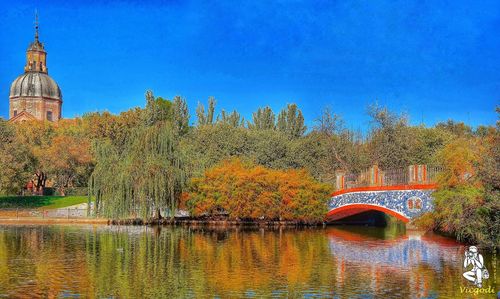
<point x="356" y="208"/>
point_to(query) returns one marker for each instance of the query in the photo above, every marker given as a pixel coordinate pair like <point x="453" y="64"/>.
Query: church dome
<point x="35" y="84"/>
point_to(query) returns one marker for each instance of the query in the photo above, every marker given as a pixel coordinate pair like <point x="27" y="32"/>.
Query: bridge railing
<point x="376" y="177"/>
<point x="433" y="172"/>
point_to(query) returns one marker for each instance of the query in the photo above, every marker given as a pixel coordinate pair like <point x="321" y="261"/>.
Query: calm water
<point x="138" y="262"/>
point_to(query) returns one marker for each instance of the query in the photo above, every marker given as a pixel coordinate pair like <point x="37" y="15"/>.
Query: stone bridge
<point x="404" y="194"/>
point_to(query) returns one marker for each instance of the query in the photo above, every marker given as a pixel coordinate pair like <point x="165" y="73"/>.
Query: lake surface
<point x="166" y="262"/>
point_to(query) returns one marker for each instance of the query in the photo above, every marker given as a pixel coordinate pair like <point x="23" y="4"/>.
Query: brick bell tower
<point x="34" y="95"/>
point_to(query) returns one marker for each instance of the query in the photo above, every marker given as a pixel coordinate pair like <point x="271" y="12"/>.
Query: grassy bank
<point x="46" y="202"/>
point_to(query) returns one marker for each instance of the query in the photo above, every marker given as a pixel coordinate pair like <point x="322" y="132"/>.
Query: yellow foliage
<point x="247" y="191"/>
<point x="460" y="159"/>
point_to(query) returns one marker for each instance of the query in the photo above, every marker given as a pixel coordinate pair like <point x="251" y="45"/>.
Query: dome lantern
<point x="36" y="57"/>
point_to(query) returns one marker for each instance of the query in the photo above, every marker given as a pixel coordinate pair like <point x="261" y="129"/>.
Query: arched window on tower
<point x="49" y="115"/>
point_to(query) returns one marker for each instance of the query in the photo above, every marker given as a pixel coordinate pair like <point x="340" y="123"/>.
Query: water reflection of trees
<point x="131" y="262"/>
<point x="196" y="263"/>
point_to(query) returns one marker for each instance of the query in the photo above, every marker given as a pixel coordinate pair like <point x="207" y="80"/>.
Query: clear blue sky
<point x="434" y="60"/>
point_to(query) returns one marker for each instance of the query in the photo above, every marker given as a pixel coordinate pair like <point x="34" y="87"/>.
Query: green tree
<point x="233" y="119"/>
<point x="180" y="115"/>
<point x="157" y="109"/>
<point x="467" y="201"/>
<point x="263" y="119"/>
<point x="427" y="142"/>
<point x="331" y="147"/>
<point x="459" y="129"/>
<point x="6" y="132"/>
<point x="291" y="121"/>
<point x="17" y="163"/>
<point x="391" y="141"/>
<point x="146" y="176"/>
<point x="206" y="118"/>
<point x="270" y="148"/>
<point x="208" y="145"/>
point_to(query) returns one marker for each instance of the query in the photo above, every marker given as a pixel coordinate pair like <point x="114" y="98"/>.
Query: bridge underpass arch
<point x="358" y="208"/>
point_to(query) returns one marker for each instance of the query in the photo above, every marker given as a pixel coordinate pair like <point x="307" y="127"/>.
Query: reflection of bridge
<point x="393" y="265"/>
<point x="402" y="193"/>
<point x="402" y="252"/>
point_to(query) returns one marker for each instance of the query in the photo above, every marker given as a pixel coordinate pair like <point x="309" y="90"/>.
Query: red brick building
<point x="34" y="94"/>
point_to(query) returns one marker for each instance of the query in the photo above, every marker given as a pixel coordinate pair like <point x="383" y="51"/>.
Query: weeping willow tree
<point x="143" y="177"/>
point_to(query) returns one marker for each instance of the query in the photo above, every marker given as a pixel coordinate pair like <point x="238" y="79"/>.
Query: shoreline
<point x="161" y="222"/>
<point x="215" y="222"/>
<point x="186" y="222"/>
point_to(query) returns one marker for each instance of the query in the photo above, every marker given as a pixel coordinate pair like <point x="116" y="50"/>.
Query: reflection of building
<point x="35" y="95"/>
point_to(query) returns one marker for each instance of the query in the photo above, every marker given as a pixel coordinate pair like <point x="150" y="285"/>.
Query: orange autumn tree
<point x="247" y="191"/>
<point x="66" y="160"/>
<point x="460" y="159"/>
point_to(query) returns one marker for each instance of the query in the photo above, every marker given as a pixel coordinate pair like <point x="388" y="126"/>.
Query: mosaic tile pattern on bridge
<point x="393" y="200"/>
